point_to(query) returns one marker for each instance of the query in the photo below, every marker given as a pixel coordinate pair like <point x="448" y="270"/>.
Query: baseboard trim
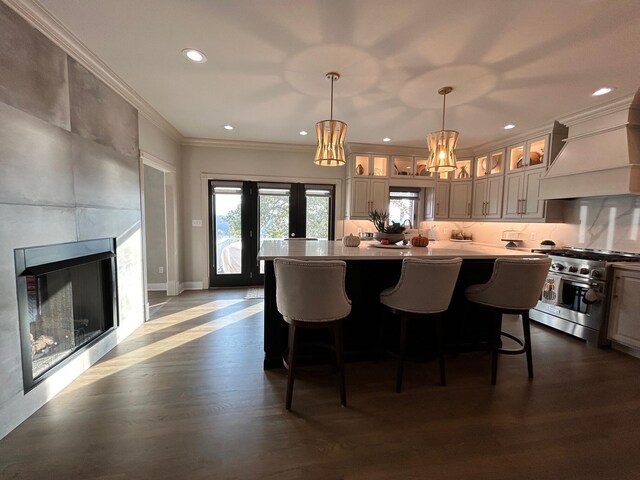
<point x="156" y="287"/>
<point x="193" y="286"/>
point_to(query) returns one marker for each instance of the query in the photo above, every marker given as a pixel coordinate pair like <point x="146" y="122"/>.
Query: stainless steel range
<point x="575" y="296"/>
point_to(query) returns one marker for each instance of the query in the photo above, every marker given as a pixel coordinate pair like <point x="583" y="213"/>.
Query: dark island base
<point x="370" y="328"/>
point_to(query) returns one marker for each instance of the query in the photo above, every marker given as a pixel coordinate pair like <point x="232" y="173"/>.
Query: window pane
<point x="317" y="216"/>
<point x="403" y="209"/>
<point x="273" y="217"/>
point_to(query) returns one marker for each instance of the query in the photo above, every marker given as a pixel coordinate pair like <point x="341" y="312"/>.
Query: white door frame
<point x="171" y="219"/>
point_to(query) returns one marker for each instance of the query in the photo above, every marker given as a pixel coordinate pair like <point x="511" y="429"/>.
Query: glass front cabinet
<point x="527" y="155"/>
<point x="369" y="166"/>
<point x="409" y="167"/>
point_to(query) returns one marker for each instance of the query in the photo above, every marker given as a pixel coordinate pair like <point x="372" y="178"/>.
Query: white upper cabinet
<point x="460" y="199"/>
<point x="489" y="164"/>
<point x="405" y="167"/>
<point x="368" y="166"/>
<point x="528" y="155"/>
<point x="441" y="208"/>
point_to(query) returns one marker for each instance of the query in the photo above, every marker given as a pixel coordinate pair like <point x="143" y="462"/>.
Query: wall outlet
<point x="196" y="223"/>
<point x="533" y="235"/>
<point x="160" y="269"/>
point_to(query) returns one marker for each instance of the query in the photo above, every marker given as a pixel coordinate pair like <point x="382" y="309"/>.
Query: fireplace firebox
<point x="67" y="300"/>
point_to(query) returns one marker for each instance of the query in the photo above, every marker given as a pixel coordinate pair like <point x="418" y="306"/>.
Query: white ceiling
<point x="509" y="61"/>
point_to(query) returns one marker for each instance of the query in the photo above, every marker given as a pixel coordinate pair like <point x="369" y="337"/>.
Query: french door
<point x="243" y="214"/>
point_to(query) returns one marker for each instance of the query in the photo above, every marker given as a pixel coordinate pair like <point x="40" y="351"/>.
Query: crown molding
<point x="281" y="147"/>
<point x="620" y="104"/>
<point x="49" y="25"/>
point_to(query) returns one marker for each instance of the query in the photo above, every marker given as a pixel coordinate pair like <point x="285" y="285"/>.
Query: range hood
<point x="601" y="155"/>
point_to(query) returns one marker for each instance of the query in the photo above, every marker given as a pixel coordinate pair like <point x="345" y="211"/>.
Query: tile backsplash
<point x="611" y="223"/>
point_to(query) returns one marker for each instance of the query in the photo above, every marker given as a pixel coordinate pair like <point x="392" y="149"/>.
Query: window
<point x="403" y="205"/>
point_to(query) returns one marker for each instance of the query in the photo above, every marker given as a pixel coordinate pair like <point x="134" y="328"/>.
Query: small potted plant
<point x="387" y="233"/>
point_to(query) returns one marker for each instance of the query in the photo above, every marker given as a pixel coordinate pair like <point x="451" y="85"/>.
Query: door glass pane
<point x="273" y="215"/>
<point x="227" y="230"/>
<point x="318" y="213"/>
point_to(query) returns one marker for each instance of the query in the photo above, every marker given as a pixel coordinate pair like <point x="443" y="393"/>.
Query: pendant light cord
<point x="444" y="106"/>
<point x="333" y="79"/>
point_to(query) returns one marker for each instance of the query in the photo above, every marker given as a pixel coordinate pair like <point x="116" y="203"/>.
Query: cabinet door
<point x="624" y="322"/>
<point x="379" y="195"/>
<point x="359" y="206"/>
<point x="429" y="203"/>
<point x="513" y="191"/>
<point x="493" y="198"/>
<point x="479" y="198"/>
<point x="532" y="207"/>
<point x="442" y="200"/>
<point x="460" y="200"/>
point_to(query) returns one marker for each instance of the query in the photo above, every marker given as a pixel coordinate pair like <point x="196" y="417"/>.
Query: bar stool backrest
<point x="311" y="291"/>
<point x="516" y="284"/>
<point x="425" y="286"/>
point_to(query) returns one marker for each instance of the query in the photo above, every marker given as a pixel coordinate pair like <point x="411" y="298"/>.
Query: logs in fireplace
<point x="66" y="301"/>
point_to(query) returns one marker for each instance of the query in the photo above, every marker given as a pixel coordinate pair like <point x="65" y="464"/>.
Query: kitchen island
<point x="370" y="269"/>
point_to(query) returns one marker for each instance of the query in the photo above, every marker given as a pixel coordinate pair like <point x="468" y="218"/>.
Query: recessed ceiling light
<point x="194" y="55"/>
<point x="228" y="127"/>
<point x="509" y="126"/>
<point x="386" y="139"/>
<point x="302" y="132"/>
<point x="602" y="91"/>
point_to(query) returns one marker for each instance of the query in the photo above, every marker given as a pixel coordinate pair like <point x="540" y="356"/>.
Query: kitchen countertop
<point x="324" y="249"/>
<point x="627" y="265"/>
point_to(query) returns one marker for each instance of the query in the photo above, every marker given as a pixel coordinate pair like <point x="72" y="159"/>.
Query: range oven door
<point x="574" y="305"/>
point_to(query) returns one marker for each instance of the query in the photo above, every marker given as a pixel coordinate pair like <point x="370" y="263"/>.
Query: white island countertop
<point x="324" y="249"/>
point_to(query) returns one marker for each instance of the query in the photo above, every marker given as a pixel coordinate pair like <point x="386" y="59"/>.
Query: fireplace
<point x="66" y="301"/>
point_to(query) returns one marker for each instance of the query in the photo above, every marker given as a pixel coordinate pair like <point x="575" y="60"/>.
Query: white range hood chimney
<point x="601" y="156"/>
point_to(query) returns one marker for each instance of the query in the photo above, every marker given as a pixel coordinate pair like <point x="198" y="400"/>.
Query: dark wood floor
<point x="185" y="397"/>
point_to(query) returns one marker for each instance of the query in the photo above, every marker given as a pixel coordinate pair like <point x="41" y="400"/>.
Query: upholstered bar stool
<point x="311" y="294"/>
<point x="424" y="289"/>
<point x="514" y="288"/>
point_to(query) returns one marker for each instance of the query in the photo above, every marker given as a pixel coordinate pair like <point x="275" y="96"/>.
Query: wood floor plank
<point x="185" y="396"/>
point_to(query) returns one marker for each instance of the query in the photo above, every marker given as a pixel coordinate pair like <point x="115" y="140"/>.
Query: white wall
<point x="267" y="162"/>
<point x="154" y="229"/>
<point x="163" y="152"/>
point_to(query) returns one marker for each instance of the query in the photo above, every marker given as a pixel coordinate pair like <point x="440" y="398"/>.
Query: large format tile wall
<point x="69" y="161"/>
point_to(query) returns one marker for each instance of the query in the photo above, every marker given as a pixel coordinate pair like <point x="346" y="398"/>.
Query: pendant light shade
<point x="442" y="144"/>
<point x="331" y="134"/>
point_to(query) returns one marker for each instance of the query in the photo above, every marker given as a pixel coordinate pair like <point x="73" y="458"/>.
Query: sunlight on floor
<point x="121" y="362"/>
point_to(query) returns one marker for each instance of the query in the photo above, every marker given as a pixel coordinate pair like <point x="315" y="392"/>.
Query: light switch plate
<point x="196" y="223"/>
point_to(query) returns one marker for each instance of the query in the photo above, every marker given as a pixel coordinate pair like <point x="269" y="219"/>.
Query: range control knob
<point x="596" y="273"/>
<point x="557" y="266"/>
<point x="584" y="271"/>
<point x="573" y="269"/>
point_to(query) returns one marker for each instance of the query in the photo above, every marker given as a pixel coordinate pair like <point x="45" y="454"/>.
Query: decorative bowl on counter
<point x="391" y="237"/>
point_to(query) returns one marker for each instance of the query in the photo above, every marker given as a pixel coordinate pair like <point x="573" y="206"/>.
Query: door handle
<point x="469" y="208"/>
<point x="437" y="208"/>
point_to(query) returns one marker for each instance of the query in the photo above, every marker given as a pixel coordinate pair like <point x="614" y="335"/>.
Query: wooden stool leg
<point x="292" y="365"/>
<point x="337" y="332"/>
<point x="440" y="340"/>
<point x="403" y="346"/>
<point x="527" y="341"/>
<point x="497" y="328"/>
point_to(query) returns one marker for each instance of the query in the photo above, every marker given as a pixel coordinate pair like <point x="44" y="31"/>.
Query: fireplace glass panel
<point x="66" y="311"/>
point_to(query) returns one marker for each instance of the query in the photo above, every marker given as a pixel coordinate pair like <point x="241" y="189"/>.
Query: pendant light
<point x="442" y="144"/>
<point x="331" y="133"/>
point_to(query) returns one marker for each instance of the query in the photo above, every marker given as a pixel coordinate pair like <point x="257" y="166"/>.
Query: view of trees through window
<point x="403" y="206"/>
